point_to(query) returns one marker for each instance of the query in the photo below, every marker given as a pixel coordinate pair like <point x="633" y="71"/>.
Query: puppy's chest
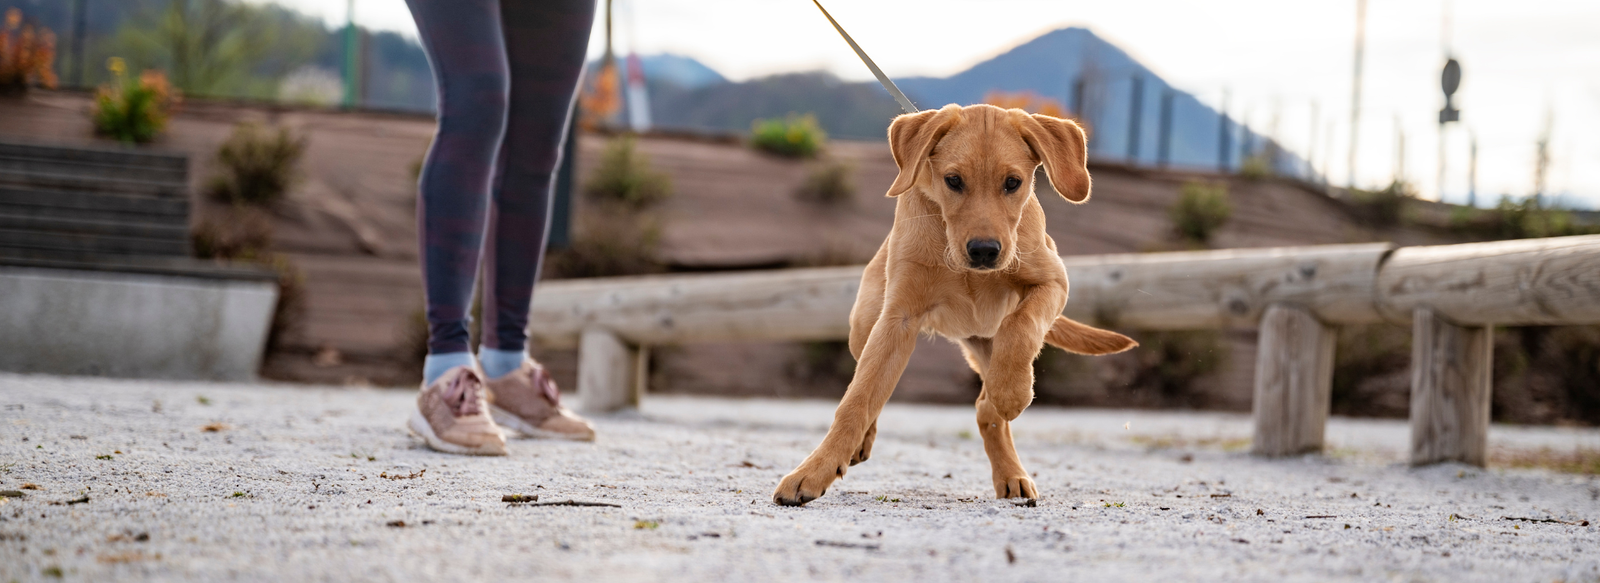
<point x="979" y="314"/>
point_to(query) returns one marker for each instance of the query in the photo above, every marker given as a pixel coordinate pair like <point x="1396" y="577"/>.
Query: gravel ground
<point x="259" y="482"/>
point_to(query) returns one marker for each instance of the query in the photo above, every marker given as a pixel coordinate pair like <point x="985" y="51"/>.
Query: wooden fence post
<point x="1451" y="373"/>
<point x="1294" y="380"/>
<point x="608" y="371"/>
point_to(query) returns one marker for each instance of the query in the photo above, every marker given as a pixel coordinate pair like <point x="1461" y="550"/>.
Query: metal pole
<point x="1164" y="147"/>
<point x="1472" y="174"/>
<point x="1355" y="91"/>
<point x="1311" y="143"/>
<point x="1135" y="116"/>
<point x="1223" y="143"/>
<point x="80" y="26"/>
<point x="351" y="56"/>
<point x="1399" y="151"/>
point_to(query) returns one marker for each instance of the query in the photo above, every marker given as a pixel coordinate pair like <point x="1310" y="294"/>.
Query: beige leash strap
<point x="876" y="72"/>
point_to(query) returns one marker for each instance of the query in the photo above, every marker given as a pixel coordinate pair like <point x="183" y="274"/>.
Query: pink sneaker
<point x="452" y="415"/>
<point x="526" y="401"/>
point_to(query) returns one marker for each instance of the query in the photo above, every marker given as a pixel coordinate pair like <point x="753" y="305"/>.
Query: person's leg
<point x="466" y="49"/>
<point x="546" y="42"/>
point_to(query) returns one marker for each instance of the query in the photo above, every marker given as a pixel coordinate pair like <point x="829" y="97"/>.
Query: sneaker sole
<point x="419" y="425"/>
<point x="510" y="421"/>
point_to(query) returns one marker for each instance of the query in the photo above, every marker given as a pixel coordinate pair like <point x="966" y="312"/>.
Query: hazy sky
<point x="1521" y="60"/>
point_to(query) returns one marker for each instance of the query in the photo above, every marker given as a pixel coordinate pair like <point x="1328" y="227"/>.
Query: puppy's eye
<point x="954" y="182"/>
<point x="1012" y="184"/>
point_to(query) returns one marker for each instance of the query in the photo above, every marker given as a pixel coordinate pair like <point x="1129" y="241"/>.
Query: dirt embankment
<point x="349" y="224"/>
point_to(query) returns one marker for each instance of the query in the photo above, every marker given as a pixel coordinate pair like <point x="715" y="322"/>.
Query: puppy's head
<point x="975" y="164"/>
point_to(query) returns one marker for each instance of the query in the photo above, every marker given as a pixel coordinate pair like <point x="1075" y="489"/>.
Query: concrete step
<point x="97" y="155"/>
<point x="54" y="244"/>
<point x="46" y="225"/>
<point x="36" y="180"/>
<point x="32" y="163"/>
<point x="93" y="205"/>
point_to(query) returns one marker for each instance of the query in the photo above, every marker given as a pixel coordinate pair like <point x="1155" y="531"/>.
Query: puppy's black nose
<point x="983" y="253"/>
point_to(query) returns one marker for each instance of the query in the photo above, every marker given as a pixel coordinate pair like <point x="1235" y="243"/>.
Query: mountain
<point x="1054" y="64"/>
<point x="1051" y="65"/>
<point x="679" y="70"/>
<point x="844" y="110"/>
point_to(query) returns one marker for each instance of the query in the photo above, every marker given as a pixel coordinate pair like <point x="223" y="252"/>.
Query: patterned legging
<point x="506" y="73"/>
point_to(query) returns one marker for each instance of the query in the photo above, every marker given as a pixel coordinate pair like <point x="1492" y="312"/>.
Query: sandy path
<point x="293" y="487"/>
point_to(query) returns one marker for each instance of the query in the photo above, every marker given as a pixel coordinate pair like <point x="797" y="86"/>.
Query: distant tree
<point x="216" y="47"/>
<point x="1027" y="101"/>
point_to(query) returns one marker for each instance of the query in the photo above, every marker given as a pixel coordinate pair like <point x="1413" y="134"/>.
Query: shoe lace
<point x="544" y="384"/>
<point x="465" y="394"/>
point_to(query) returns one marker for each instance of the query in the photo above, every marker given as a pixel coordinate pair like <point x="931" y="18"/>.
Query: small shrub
<point x="1202" y="208"/>
<point x="256" y="167"/>
<point x="133" y="111"/>
<point x="290" y="311"/>
<point x="1255" y="167"/>
<point x="1383" y="208"/>
<point x="1171" y="361"/>
<point x="608" y="240"/>
<point x="27" y="56"/>
<point x="795" y="136"/>
<point x="242" y="234"/>
<point x="1517" y="220"/>
<point x="1371" y="370"/>
<point x="624" y="176"/>
<point x="824" y="361"/>
<point x="828" y="183"/>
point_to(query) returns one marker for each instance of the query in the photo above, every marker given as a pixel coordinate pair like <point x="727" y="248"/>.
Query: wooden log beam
<point x="1224" y="288"/>
<point x="1294" y="380"/>
<point x="608" y="372"/>
<point x="1156" y="291"/>
<point x="1554" y="281"/>
<point x="791" y="304"/>
<point x="1450" y="390"/>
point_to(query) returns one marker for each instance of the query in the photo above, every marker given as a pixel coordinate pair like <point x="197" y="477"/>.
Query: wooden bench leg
<point x="1451" y="374"/>
<point x="1294" y="380"/>
<point x="611" y="374"/>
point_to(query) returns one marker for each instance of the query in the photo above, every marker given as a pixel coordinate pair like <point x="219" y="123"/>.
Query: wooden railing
<point x="1452" y="295"/>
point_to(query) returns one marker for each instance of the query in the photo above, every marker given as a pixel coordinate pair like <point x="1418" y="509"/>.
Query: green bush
<point x="1383" y="208"/>
<point x="255" y="166"/>
<point x="624" y="176"/>
<point x="1255" y="167"/>
<point x="828" y="183"/>
<point x="608" y="240"/>
<point x="1517" y="220"/>
<point x="132" y="111"/>
<point x="1202" y="208"/>
<point x="795" y="136"/>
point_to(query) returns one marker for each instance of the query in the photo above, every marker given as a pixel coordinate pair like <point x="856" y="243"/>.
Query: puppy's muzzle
<point x="983" y="253"/>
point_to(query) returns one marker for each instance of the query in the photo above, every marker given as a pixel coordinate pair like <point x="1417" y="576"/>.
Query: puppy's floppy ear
<point x="1061" y="147"/>
<point x="911" y="140"/>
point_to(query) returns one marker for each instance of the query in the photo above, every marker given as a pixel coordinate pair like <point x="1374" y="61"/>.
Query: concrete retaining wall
<point x="132" y="325"/>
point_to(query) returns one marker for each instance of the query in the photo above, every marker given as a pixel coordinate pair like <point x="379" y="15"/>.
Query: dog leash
<point x="905" y="104"/>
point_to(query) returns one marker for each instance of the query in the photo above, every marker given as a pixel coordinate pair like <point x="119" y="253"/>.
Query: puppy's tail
<point x="1078" y="338"/>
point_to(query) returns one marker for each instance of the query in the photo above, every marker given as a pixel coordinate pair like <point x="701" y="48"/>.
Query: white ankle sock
<point x="499" y="363"/>
<point x="435" y="365"/>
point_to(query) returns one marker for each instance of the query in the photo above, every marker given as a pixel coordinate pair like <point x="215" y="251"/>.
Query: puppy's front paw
<point x="1015" y="486"/>
<point x="806" y="483"/>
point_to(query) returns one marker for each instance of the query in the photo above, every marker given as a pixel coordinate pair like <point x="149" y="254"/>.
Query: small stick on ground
<point x="567" y="503"/>
<point x="1546" y="520"/>
<point x="829" y="543"/>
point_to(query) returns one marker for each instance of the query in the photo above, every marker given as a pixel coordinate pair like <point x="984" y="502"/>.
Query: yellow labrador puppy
<point x="967" y="259"/>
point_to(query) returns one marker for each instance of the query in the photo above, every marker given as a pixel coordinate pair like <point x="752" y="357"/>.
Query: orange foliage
<point x="602" y="99"/>
<point x="1027" y="101"/>
<point x="27" y="57"/>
